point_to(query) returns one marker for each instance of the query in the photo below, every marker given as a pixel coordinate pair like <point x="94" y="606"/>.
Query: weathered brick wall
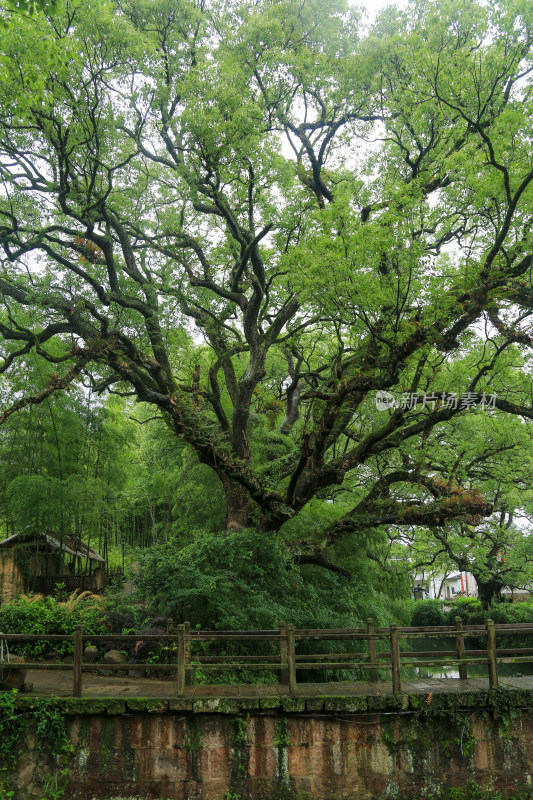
<point x="328" y="750"/>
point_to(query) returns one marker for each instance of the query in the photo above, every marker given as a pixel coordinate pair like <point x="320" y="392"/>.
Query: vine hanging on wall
<point x="47" y="723"/>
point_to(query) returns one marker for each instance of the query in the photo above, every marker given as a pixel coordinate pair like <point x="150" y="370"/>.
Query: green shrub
<point x="401" y="611"/>
<point x="507" y="613"/>
<point x="48" y="616"/>
<point x="428" y="612"/>
<point x="468" y="608"/>
<point x="471" y="613"/>
<point x="511" y="612"/>
<point x="123" y="615"/>
<point x="245" y="581"/>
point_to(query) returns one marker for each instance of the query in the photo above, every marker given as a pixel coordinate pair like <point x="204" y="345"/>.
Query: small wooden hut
<point x="38" y="561"/>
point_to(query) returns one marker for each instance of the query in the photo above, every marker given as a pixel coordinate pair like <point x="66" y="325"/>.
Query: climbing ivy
<point x="282" y="736"/>
<point x="12" y="729"/>
<point x="456" y="721"/>
<point x="52" y="740"/>
<point x="445" y="718"/>
<point x="282" y="741"/>
<point x="239" y="750"/>
<point x="506" y="706"/>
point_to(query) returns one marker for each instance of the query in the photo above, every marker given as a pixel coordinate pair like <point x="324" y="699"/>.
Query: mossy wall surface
<point x="331" y="748"/>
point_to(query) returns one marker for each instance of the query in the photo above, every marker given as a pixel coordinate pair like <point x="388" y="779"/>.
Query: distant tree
<point x="498" y="460"/>
<point x="64" y="463"/>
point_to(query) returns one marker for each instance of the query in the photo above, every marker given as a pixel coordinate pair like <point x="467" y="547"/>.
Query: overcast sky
<point x="373" y="6"/>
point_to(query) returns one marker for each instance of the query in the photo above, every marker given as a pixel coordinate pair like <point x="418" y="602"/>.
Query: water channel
<point x="431" y="645"/>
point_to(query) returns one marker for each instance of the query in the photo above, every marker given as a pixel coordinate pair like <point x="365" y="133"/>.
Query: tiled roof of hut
<point x="70" y="544"/>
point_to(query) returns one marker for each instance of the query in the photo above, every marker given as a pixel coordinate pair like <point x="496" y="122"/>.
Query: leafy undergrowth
<point x="47" y="615"/>
<point x="432" y="612"/>
<point x="242" y="582"/>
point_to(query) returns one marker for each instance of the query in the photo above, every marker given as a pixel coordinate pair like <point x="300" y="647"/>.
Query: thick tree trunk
<point x="238" y="505"/>
<point x="488" y="591"/>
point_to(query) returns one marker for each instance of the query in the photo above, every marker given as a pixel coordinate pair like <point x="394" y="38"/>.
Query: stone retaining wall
<point x="330" y="748"/>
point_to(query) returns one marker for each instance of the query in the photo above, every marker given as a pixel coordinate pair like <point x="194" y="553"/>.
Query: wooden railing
<point x="287" y="661"/>
<point x="46" y="584"/>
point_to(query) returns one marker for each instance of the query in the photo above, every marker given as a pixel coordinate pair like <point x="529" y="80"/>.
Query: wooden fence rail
<point x="182" y="643"/>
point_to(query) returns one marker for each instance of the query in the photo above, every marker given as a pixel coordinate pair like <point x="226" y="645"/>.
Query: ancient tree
<point x="305" y="243"/>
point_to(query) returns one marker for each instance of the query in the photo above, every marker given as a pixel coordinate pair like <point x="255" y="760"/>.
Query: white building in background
<point x="445" y="587"/>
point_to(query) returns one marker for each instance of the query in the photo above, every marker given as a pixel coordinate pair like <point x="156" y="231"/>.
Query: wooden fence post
<point x="460" y="646"/>
<point x="491" y="654"/>
<point x="372" y="650"/>
<point x="78" y="656"/>
<point x="291" y="658"/>
<point x="188" y="673"/>
<point x="284" y="672"/>
<point x="181" y="660"/>
<point x="395" y="656"/>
